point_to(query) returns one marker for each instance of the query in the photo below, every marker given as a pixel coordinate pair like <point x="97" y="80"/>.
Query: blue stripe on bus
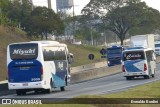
<point x="130" y="67"/>
<point x="24" y="71"/>
<point x="58" y="82"/>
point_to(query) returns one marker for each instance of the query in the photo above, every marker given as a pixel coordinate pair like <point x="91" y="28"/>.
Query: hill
<point x="10" y="35"/>
<point x="81" y="54"/>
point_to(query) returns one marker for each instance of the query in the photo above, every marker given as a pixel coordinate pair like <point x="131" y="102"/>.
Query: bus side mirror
<point x="70" y="58"/>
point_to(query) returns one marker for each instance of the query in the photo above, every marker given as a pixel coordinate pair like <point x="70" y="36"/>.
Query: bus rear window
<point x="23" y="51"/>
<point x="133" y="55"/>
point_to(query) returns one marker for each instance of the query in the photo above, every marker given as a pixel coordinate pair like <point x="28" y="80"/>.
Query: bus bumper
<point x="26" y="85"/>
<point x="127" y="74"/>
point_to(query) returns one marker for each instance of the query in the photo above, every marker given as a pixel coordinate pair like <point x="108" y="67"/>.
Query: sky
<point x="79" y="4"/>
<point x="153" y="3"/>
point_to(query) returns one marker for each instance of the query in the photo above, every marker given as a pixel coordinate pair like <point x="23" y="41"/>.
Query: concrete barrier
<point x="94" y="73"/>
<point x="88" y="67"/>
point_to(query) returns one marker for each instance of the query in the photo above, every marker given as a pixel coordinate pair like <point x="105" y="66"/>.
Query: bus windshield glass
<point x="157" y="45"/>
<point x="114" y="51"/>
<point x="23" y="51"/>
<point x="133" y="55"/>
<point x="54" y="53"/>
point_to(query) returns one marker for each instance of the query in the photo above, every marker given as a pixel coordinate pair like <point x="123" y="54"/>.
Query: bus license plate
<point x="25" y="84"/>
<point x="134" y="73"/>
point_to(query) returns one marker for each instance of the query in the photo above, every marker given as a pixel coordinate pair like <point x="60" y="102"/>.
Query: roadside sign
<point x="91" y="56"/>
<point x="103" y="51"/>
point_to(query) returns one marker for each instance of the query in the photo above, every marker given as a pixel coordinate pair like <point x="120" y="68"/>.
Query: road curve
<point x="108" y="84"/>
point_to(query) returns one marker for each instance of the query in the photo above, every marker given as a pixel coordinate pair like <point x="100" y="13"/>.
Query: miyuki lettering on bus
<point x="24" y="52"/>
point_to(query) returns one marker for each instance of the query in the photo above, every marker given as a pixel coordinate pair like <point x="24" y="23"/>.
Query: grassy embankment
<point x="10" y="35"/>
<point x="7" y="36"/>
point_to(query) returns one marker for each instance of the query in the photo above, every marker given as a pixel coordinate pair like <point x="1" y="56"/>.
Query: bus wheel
<point x="146" y="77"/>
<point x="153" y="74"/>
<point x="50" y="88"/>
<point x="62" y="88"/>
<point x="128" y="78"/>
<point x="66" y="81"/>
<point x="20" y="92"/>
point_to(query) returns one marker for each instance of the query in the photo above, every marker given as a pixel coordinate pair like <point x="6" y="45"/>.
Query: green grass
<point x="81" y="54"/>
<point x="150" y="90"/>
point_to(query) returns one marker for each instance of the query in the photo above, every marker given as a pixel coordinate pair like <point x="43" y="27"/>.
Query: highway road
<point x="108" y="84"/>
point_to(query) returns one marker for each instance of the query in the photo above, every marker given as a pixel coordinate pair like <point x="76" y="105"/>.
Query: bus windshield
<point x="114" y="51"/>
<point x="54" y="53"/>
<point x="157" y="45"/>
<point x="23" y="51"/>
<point x="133" y="55"/>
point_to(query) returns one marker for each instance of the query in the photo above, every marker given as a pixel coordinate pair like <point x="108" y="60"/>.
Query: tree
<point x="18" y="11"/>
<point x="121" y="16"/>
<point x="3" y="13"/>
<point x="43" y="21"/>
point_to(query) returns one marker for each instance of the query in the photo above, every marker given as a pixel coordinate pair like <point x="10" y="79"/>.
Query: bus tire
<point x="128" y="78"/>
<point x="62" y="88"/>
<point x="146" y="77"/>
<point x="66" y="81"/>
<point x="153" y="75"/>
<point x="51" y="86"/>
<point x="20" y="92"/>
<point x="23" y="92"/>
<point x="49" y="90"/>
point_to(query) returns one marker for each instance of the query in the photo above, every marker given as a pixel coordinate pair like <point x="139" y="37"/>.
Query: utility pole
<point x="73" y="7"/>
<point x="91" y="35"/>
<point x="31" y="1"/>
<point x="73" y="23"/>
<point x="49" y="4"/>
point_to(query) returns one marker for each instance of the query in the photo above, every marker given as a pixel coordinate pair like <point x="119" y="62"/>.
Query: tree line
<point x="121" y="17"/>
<point x="36" y="21"/>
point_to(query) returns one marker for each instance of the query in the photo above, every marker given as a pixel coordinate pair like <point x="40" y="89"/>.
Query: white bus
<point x="138" y="62"/>
<point x="38" y="65"/>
